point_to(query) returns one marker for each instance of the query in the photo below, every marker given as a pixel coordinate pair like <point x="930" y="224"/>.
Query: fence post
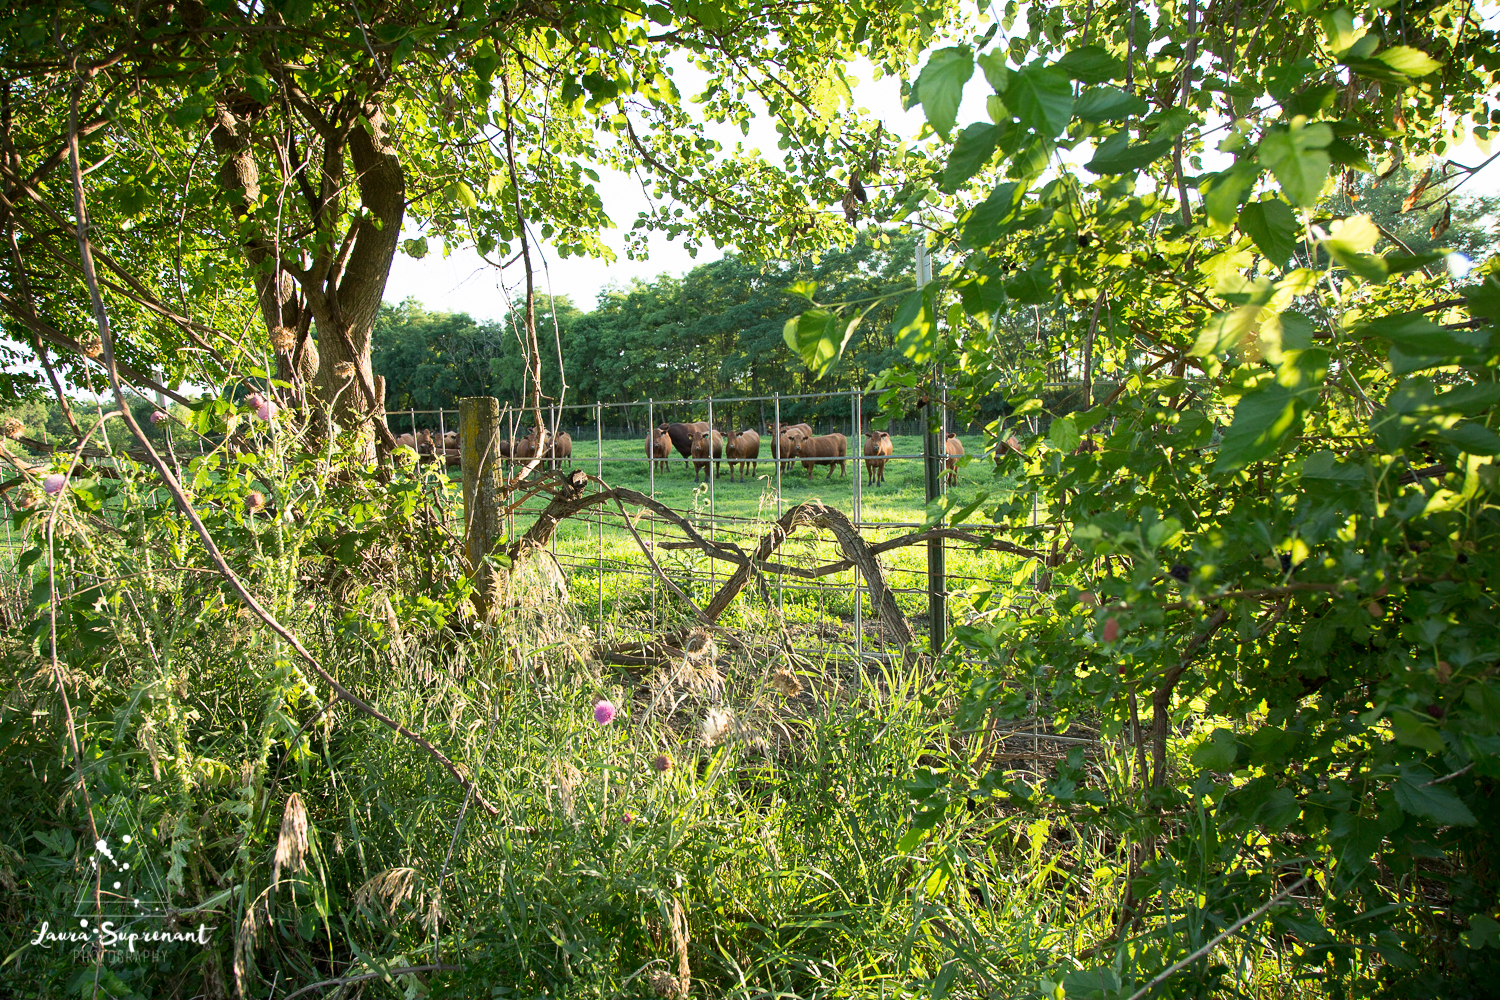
<point x="479" y="432"/>
<point x="937" y="573"/>
<point x="856" y="454"/>
<point x="599" y="447"/>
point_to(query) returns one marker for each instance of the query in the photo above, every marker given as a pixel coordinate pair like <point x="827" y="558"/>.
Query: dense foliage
<point x="1273" y="568"/>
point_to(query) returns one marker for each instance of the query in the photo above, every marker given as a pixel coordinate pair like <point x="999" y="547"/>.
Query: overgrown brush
<point x="734" y="829"/>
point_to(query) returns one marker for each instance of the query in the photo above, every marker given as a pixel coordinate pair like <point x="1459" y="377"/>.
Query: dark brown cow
<point x="701" y="461"/>
<point x="742" y="448"/>
<point x="954" y="449"/>
<point x="683" y="436"/>
<point x="877" y="450"/>
<point x="829" y="448"/>
<point x="658" y="447"/>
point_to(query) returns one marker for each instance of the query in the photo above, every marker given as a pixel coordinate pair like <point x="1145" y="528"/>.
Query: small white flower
<point x="117" y="885"/>
<point x="126" y="866"/>
<point x="127" y="838"/>
<point x="1459" y="266"/>
<point x="83" y="923"/>
<point x="102" y="847"/>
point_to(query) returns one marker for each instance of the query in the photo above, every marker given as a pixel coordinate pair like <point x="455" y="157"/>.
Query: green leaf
<point x="1100" y="104"/>
<point x="940" y="86"/>
<point x="1436" y="803"/>
<point x="811" y="335"/>
<point x="463" y="194"/>
<point x="1476" y="439"/>
<point x="1223" y="331"/>
<point x="1042" y="98"/>
<point x="1417" y="343"/>
<point x="1091" y="64"/>
<point x="1063" y="435"/>
<point x="1298" y="157"/>
<point x="973" y="150"/>
<point x="1408" y="61"/>
<point x="914" y="331"/>
<point x="1116" y="155"/>
<point x="996" y="72"/>
<point x="1410" y="729"/>
<point x="1263" y="419"/>
<point x="1217" y="753"/>
<point x="1273" y="227"/>
<point x="1223" y="192"/>
<point x="991" y="218"/>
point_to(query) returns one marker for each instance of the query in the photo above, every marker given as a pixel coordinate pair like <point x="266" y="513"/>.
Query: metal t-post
<point x="651" y="475"/>
<point x="933" y="452"/>
<point x="776" y="453"/>
<point x="712" y="511"/>
<point x="857" y="453"/>
<point x="599" y="447"/>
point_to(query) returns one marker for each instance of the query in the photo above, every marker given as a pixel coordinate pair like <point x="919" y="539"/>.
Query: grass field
<point x="608" y="575"/>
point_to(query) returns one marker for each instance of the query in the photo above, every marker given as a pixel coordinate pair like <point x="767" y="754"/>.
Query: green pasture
<point x="743" y="510"/>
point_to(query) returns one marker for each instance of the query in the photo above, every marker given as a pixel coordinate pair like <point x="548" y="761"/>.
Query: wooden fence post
<point x="478" y="437"/>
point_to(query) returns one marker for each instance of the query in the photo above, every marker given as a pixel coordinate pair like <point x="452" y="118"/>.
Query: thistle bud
<point x="13" y="428"/>
<point x="54" y="483"/>
<point x="255" y="501"/>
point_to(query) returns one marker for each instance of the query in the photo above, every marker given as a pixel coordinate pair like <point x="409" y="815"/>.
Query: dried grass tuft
<point x="291" y="844"/>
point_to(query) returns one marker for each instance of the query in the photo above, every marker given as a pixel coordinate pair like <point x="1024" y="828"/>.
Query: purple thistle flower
<point x="604" y="712"/>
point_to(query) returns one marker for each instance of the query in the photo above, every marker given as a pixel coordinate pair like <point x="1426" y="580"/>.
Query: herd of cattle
<point x="444" y="447"/>
<point x="702" y="446"/>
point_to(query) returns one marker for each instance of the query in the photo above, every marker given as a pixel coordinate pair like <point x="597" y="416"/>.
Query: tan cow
<point x="877" y="451"/>
<point x="701" y="451"/>
<point x="742" y="449"/>
<point x="954" y="449"/>
<point x="829" y="448"/>
<point x="658" y="448"/>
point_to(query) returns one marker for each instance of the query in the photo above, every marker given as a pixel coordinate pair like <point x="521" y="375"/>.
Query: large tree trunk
<point x="283" y="309"/>
<point x="344" y="310"/>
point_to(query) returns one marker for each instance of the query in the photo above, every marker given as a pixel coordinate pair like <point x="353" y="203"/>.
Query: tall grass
<point x="745" y="826"/>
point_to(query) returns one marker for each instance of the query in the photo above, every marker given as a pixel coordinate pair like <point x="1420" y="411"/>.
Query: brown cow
<point x="701" y="461"/>
<point x="407" y="440"/>
<point x="954" y="449"/>
<point x="658" y="447"/>
<point x="829" y="448"/>
<point x="877" y="452"/>
<point x="778" y="431"/>
<point x="683" y="436"/>
<point x="742" y="449"/>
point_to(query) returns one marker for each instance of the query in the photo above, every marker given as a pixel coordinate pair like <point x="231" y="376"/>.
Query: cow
<point x="954" y="449"/>
<point x="782" y="437"/>
<point x="742" y="448"/>
<point x="829" y="448"/>
<point x="425" y="445"/>
<point x="1009" y="446"/>
<point x="407" y="440"/>
<point x="658" y="447"/>
<point x="778" y="431"/>
<point x="877" y="451"/>
<point x="561" y="447"/>
<point x="701" y="451"/>
<point x="683" y="436"/>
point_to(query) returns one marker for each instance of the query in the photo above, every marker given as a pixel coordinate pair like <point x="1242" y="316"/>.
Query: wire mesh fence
<point x="732" y="504"/>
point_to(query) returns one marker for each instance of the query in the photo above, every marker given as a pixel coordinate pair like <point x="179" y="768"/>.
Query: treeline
<point x="716" y="331"/>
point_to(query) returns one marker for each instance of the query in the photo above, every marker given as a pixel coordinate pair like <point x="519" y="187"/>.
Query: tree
<point x="288" y="143"/>
<point x="1271" y="542"/>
